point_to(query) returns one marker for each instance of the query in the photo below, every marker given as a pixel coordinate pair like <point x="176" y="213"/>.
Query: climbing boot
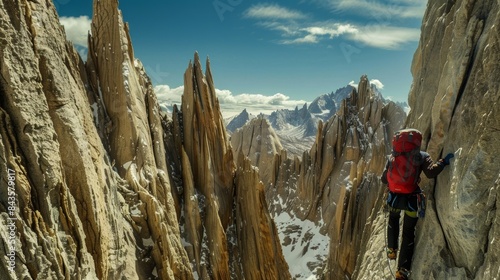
<point x="392" y="254"/>
<point x="402" y="274"/>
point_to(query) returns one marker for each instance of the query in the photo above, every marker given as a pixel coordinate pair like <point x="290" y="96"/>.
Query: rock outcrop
<point x="134" y="135"/>
<point x="258" y="142"/>
<point x="43" y="103"/>
<point x="227" y="227"/>
<point x="338" y="181"/>
<point x="103" y="185"/>
<point x="454" y="101"/>
<point x="93" y="192"/>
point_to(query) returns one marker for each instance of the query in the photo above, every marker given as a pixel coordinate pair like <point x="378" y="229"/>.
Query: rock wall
<point x="454" y="101"/>
<point x="458" y="98"/>
<point x="41" y="106"/>
<point x="92" y="191"/>
<point x="338" y="181"/>
<point x="103" y="185"/>
<point x="108" y="187"/>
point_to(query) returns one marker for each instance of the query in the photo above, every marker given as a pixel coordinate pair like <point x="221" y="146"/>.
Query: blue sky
<point x="268" y="54"/>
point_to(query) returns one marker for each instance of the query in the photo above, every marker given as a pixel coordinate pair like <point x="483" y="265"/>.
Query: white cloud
<point x="385" y="37"/>
<point x="380" y="10"/>
<point x="233" y="104"/>
<point x="273" y="12"/>
<point x="308" y="39"/>
<point x="333" y="30"/>
<point x="378" y="36"/>
<point x="254" y="103"/>
<point x="77" y="29"/>
<point x="169" y="95"/>
<point x="316" y="33"/>
<point x="381" y="27"/>
<point x="286" y="29"/>
<point x="375" y="82"/>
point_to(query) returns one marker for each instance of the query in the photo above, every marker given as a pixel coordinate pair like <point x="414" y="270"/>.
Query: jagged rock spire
<point x="223" y="207"/>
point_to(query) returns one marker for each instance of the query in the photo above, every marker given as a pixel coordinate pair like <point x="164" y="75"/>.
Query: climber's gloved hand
<point x="447" y="158"/>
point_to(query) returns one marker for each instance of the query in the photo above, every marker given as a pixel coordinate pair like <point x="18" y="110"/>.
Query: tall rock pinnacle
<point x="93" y="198"/>
<point x="223" y="207"/>
<point x="133" y="132"/>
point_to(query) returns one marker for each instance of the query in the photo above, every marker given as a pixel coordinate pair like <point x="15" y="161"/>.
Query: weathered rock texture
<point x="338" y="178"/>
<point x="134" y="135"/>
<point x="335" y="184"/>
<point x="227" y="227"/>
<point x="77" y="216"/>
<point x="94" y="161"/>
<point x="258" y="141"/>
<point x="108" y="188"/>
<point x="458" y="99"/>
<point x="454" y="101"/>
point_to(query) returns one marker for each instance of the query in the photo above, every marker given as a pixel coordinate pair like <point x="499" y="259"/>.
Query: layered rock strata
<point x="227" y="227"/>
<point x="92" y="161"/>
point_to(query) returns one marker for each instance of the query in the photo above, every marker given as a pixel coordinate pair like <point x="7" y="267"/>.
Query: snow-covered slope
<point x="304" y="246"/>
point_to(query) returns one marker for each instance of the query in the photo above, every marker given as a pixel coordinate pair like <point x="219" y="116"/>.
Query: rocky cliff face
<point x="454" y="101"/>
<point x="86" y="145"/>
<point x="103" y="186"/>
<point x="333" y="186"/>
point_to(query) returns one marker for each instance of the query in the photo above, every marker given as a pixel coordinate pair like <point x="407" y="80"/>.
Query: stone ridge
<point x="134" y="135"/>
<point x="258" y="142"/>
<point x="95" y="161"/>
<point x="223" y="209"/>
<point x="334" y="184"/>
<point x="63" y="177"/>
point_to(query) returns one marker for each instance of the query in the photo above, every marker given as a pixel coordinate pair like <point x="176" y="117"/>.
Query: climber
<point x="402" y="174"/>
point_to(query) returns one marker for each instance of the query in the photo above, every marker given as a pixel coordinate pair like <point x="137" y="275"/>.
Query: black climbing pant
<point x="408" y="237"/>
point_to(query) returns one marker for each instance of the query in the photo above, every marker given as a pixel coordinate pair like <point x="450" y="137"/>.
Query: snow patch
<point x="95" y="112"/>
<point x="305" y="249"/>
<point x="127" y="164"/>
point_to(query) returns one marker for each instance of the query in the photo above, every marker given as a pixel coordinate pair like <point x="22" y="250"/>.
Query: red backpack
<point x="404" y="170"/>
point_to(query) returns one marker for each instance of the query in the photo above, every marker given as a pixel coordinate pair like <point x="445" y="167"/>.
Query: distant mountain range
<point x="297" y="128"/>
